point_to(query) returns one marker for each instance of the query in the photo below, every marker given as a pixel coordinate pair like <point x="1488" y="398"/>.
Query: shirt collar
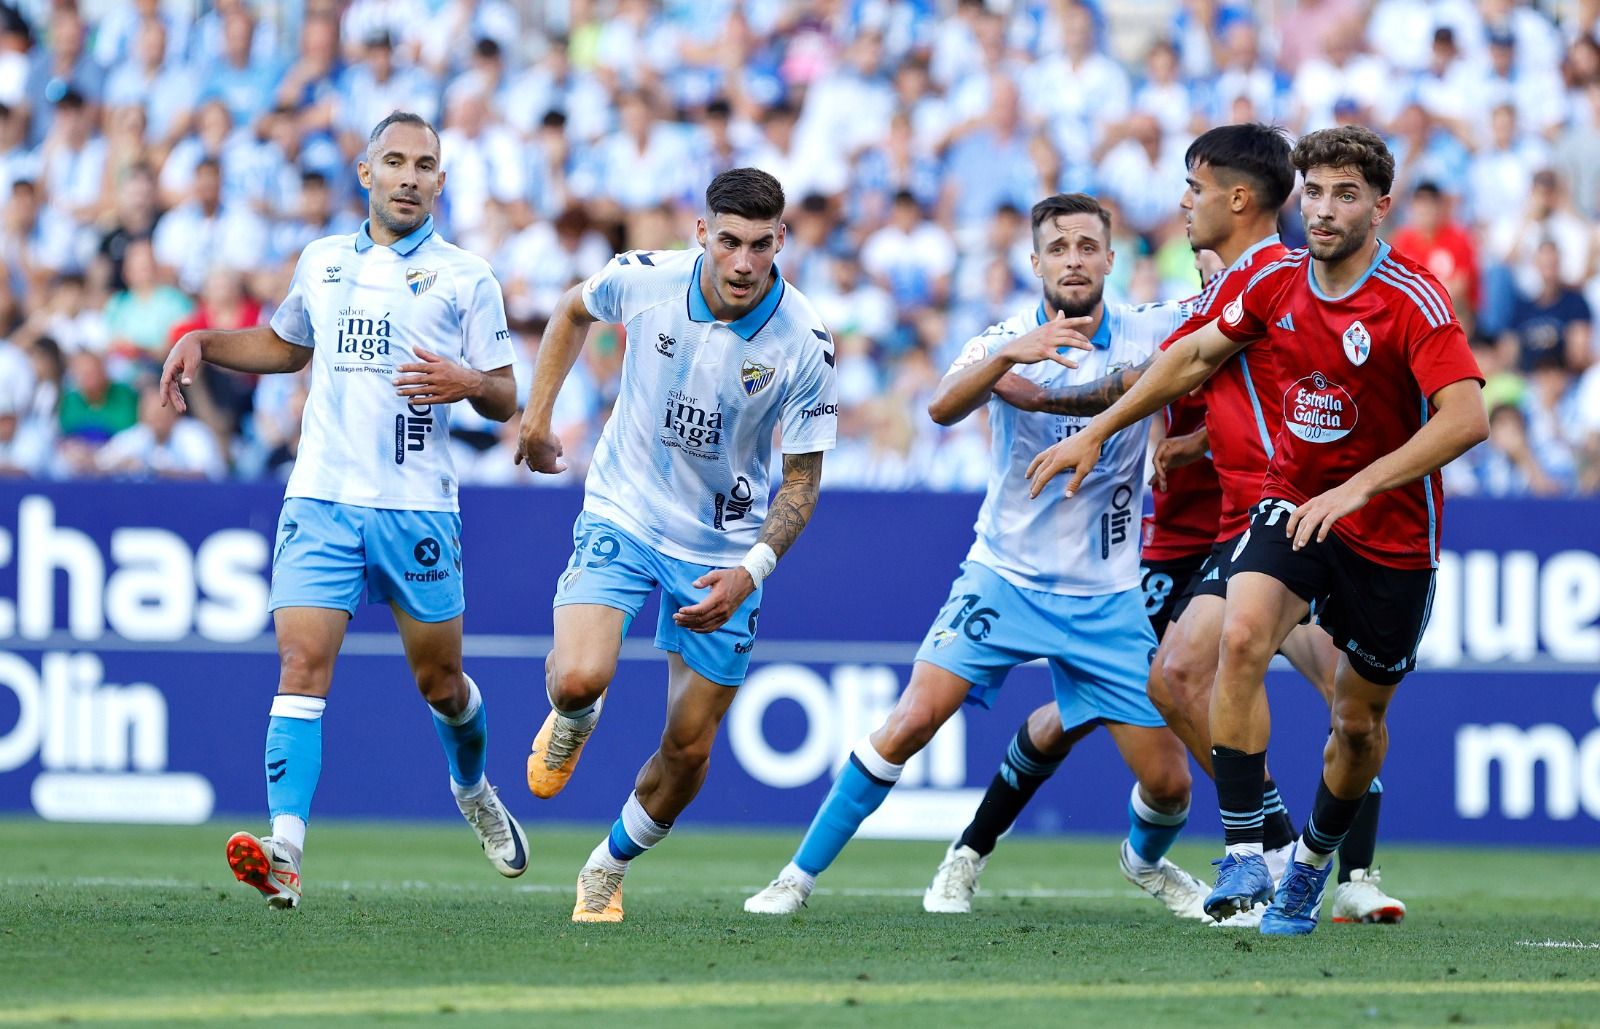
<point x="1260" y="244"/>
<point x="1102" y="336"/>
<point x="752" y="322"/>
<point x="405" y="246"/>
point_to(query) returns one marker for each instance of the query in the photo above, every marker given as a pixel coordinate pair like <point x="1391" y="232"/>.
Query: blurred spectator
<point x="163" y="445"/>
<point x="911" y="259"/>
<point x="139" y="319"/>
<point x="242" y="79"/>
<point x="376" y="84"/>
<point x="17" y="160"/>
<point x="73" y="161"/>
<point x="134" y="217"/>
<point x="62" y="65"/>
<point x="36" y="242"/>
<point x="1443" y="246"/>
<point x="93" y="408"/>
<point x="1550" y="328"/>
<point x="152" y="78"/>
<point x="222" y="398"/>
<point x="200" y="233"/>
<point x="545" y="259"/>
<point x="1143" y="172"/>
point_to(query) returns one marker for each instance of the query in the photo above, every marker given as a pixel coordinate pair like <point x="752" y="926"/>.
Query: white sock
<point x="1135" y="860"/>
<point x="878" y="766"/>
<point x="601" y="857"/>
<point x="1241" y="849"/>
<point x="474" y="702"/>
<point x="290" y="830"/>
<point x="469" y="792"/>
<point x="1306" y="856"/>
<point x="795" y="872"/>
<point x="1278" y="860"/>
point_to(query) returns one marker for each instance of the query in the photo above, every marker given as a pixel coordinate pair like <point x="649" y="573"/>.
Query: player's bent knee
<point x="575" y="686"/>
<point x="1358" y="731"/>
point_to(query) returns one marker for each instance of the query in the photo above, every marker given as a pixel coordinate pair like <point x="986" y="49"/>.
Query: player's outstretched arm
<point x="537" y="444"/>
<point x="1457" y="425"/>
<point x="966" y="386"/>
<point x="1176" y="371"/>
<point x="257" y="350"/>
<point x="1081" y="401"/>
<point x="790" y="511"/>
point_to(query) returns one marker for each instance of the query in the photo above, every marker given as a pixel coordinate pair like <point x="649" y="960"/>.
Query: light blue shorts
<point x="326" y="553"/>
<point x="613" y="569"/>
<point x="1099" y="648"/>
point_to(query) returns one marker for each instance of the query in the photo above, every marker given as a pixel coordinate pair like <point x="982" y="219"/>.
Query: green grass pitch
<point x="406" y="924"/>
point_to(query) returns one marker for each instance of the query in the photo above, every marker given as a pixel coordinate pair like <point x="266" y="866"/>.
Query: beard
<point x="397" y="222"/>
<point x="1076" y="308"/>
<point x="1337" y="249"/>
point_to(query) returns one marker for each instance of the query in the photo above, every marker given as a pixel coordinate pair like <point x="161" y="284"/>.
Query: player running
<point x="1239" y="177"/>
<point x="722" y="351"/>
<point x="396" y="324"/>
<point x="1059" y="582"/>
<point x="1379" y="391"/>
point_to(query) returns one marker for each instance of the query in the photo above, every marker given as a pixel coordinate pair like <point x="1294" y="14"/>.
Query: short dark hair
<point x="1061" y="204"/>
<point x="399" y="118"/>
<point x="1426" y="188"/>
<point x="1256" y="152"/>
<point x="1348" y="146"/>
<point x="747" y="192"/>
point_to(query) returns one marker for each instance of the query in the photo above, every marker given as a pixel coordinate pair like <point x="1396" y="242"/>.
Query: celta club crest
<point x="755" y="377"/>
<point x="1357" y="343"/>
<point x="420" y="280"/>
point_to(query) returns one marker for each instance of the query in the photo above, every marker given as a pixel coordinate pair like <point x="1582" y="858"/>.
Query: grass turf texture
<point x="405" y="924"/>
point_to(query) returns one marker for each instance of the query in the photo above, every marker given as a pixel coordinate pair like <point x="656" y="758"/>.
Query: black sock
<point x="1360" y="846"/>
<point x="1241" y="789"/>
<point x="1277" y="830"/>
<point x="1330" y="819"/>
<point x="1021" y="774"/>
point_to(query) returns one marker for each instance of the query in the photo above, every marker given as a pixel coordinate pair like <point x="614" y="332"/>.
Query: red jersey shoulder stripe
<point x="1417" y="288"/>
<point x="1294" y="259"/>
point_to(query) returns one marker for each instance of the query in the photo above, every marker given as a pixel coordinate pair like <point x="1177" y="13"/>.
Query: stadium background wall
<point x="137" y="665"/>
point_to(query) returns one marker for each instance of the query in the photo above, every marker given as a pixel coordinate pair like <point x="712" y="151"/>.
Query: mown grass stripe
<point x="725" y="996"/>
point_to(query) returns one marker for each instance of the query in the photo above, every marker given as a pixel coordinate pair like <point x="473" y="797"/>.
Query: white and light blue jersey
<point x="1089" y="545"/>
<point x="683" y="461"/>
<point x="365" y="309"/>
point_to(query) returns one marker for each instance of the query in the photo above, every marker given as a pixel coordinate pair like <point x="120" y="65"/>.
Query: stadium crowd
<point x="161" y="171"/>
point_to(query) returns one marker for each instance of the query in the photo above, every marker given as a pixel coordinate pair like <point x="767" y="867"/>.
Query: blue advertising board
<point x="137" y="666"/>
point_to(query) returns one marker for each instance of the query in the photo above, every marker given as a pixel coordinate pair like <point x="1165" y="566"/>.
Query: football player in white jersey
<point x="397" y="325"/>
<point x="1039" y="582"/>
<point x="720" y="352"/>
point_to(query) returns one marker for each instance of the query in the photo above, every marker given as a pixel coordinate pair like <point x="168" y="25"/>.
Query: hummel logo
<point x="664" y="344"/>
<point x="1286" y="323"/>
<point x="332" y="273"/>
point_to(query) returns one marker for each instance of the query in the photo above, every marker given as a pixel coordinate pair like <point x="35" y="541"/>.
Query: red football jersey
<point x="1356" y="373"/>
<point x="1186" y="513"/>
<point x="1240" y="398"/>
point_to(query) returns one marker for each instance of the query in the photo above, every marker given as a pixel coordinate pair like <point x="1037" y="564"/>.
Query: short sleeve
<point x="606" y="291"/>
<point x="1247" y="316"/>
<point x="1441" y="356"/>
<point x="979" y="348"/>
<point x="811" y="403"/>
<point x="485" y="338"/>
<point x="290" y="321"/>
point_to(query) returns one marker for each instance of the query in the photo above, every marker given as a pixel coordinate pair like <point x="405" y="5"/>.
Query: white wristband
<point x="759" y="562"/>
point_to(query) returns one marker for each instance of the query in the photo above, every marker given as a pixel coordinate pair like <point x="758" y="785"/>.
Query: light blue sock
<point x="862" y="785"/>
<point x="465" y="738"/>
<point x="1152" y="833"/>
<point x="294" y="754"/>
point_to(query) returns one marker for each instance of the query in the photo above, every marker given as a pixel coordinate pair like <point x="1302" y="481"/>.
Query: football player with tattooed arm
<point x="721" y="351"/>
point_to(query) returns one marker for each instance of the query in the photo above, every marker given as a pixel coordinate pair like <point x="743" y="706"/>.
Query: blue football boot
<point x="1295" y="909"/>
<point x="1242" y="882"/>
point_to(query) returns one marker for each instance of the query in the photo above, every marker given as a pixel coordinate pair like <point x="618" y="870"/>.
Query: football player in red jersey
<point x="1239" y="177"/>
<point x="1379" y="391"/>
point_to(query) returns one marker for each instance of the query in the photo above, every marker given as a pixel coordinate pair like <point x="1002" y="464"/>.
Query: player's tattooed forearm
<point x="1091" y="398"/>
<point x="796" y="499"/>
